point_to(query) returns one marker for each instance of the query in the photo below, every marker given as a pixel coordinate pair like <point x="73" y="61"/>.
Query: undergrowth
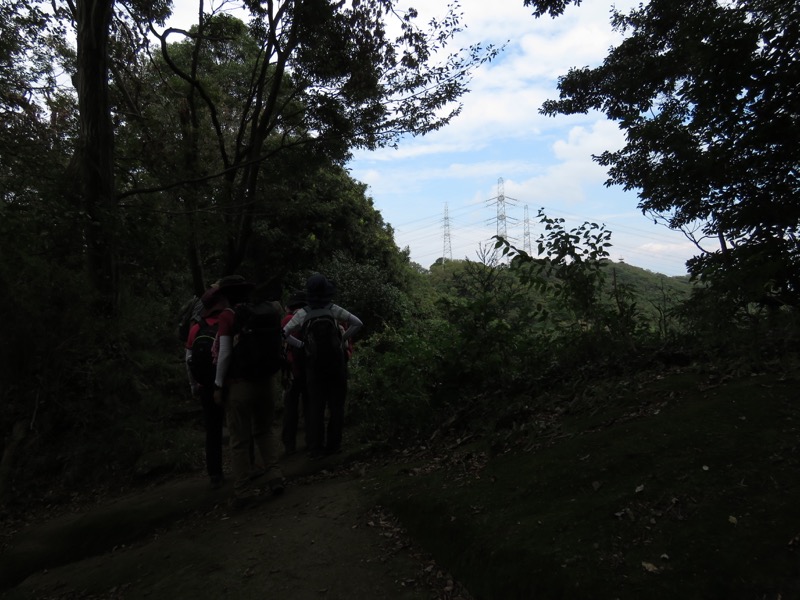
<point x="670" y="485"/>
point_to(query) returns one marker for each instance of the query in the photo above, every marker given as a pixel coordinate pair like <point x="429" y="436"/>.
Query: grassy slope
<point x="675" y="487"/>
<point x="651" y="289"/>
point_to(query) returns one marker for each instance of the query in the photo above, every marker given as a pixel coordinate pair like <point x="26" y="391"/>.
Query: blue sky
<point x="543" y="162"/>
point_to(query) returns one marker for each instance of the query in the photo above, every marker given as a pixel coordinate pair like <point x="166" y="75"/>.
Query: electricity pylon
<point x="447" y="250"/>
<point x="502" y="218"/>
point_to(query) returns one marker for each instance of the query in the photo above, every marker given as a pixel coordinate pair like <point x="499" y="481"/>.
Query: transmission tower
<point x="502" y="219"/>
<point x="447" y="250"/>
<point x="526" y="232"/>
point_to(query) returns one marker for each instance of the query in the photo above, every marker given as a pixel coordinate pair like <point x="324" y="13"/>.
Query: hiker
<point x="248" y="366"/>
<point x="323" y="345"/>
<point x="294" y="395"/>
<point x="190" y="314"/>
<point x="202" y="372"/>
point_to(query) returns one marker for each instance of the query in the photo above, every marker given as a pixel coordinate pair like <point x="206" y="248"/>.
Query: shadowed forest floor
<point x="680" y="484"/>
<point x="320" y="539"/>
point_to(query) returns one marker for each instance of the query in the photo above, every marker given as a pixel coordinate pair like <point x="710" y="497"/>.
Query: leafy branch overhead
<point x="706" y="93"/>
<point x="570" y="263"/>
<point x="312" y="79"/>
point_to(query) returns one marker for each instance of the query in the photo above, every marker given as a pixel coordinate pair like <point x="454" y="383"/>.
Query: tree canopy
<point x="314" y="79"/>
<point x="707" y="94"/>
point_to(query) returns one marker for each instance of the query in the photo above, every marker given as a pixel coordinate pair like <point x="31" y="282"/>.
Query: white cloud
<point x="185" y="12"/>
<point x="544" y="161"/>
<point x="582" y="142"/>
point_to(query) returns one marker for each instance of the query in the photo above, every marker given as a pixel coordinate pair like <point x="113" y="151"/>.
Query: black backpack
<point x="258" y="341"/>
<point x="322" y="341"/>
<point x="201" y="363"/>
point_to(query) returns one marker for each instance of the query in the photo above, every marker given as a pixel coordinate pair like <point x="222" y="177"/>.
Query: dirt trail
<point x="320" y="539"/>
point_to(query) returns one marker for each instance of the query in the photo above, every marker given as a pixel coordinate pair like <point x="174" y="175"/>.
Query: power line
<point x="422" y="231"/>
<point x="654" y="261"/>
<point x="426" y="234"/>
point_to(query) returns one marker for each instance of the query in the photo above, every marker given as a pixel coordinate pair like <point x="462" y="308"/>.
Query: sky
<point x="500" y="147"/>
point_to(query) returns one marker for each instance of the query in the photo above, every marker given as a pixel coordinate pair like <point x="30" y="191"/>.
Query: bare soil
<point x="322" y="538"/>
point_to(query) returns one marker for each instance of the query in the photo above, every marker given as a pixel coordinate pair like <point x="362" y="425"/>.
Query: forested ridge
<point x="141" y="163"/>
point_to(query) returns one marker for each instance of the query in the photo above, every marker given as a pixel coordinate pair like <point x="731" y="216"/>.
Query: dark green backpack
<point x="322" y="341"/>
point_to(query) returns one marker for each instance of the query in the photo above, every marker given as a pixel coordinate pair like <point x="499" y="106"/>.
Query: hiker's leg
<point x="263" y="395"/>
<point x="303" y="393"/>
<point x="336" y="400"/>
<point x="315" y="419"/>
<point x="239" y="413"/>
<point x="213" y="419"/>
<point x="291" y="417"/>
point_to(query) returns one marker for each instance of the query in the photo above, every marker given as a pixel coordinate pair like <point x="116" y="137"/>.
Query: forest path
<point x="323" y="538"/>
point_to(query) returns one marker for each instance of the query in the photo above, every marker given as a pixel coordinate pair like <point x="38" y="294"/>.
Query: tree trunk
<point x="97" y="149"/>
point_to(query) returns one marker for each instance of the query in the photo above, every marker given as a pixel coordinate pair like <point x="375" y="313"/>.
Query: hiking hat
<point x="319" y="291"/>
<point x="296" y="300"/>
<point x="234" y="287"/>
<point x="212" y="301"/>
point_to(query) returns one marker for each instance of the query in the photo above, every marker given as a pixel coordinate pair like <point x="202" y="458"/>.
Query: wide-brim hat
<point x="212" y="301"/>
<point x="234" y="285"/>
<point x="319" y="291"/>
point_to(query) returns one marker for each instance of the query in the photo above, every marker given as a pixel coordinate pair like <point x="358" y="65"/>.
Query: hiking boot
<point x="242" y="502"/>
<point x="256" y="473"/>
<point x="245" y="497"/>
<point x="277" y="486"/>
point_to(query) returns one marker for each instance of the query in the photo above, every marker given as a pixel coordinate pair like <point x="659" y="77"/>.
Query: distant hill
<point x="651" y="289"/>
<point x="654" y="293"/>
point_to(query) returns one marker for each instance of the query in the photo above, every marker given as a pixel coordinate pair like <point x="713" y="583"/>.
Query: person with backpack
<point x="202" y="371"/>
<point x="323" y="344"/>
<point x="294" y="395"/>
<point x="190" y="314"/>
<point x="249" y="360"/>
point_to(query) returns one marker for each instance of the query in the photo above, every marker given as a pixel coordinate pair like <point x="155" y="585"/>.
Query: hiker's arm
<point x="292" y="341"/>
<point x="225" y="350"/>
<point x="293" y="324"/>
<point x="353" y="325"/>
<point x="223" y="359"/>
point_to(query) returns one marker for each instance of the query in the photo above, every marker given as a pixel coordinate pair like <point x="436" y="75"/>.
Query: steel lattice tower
<point x="526" y="233"/>
<point x="502" y="230"/>
<point x="502" y="219"/>
<point x="447" y="250"/>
